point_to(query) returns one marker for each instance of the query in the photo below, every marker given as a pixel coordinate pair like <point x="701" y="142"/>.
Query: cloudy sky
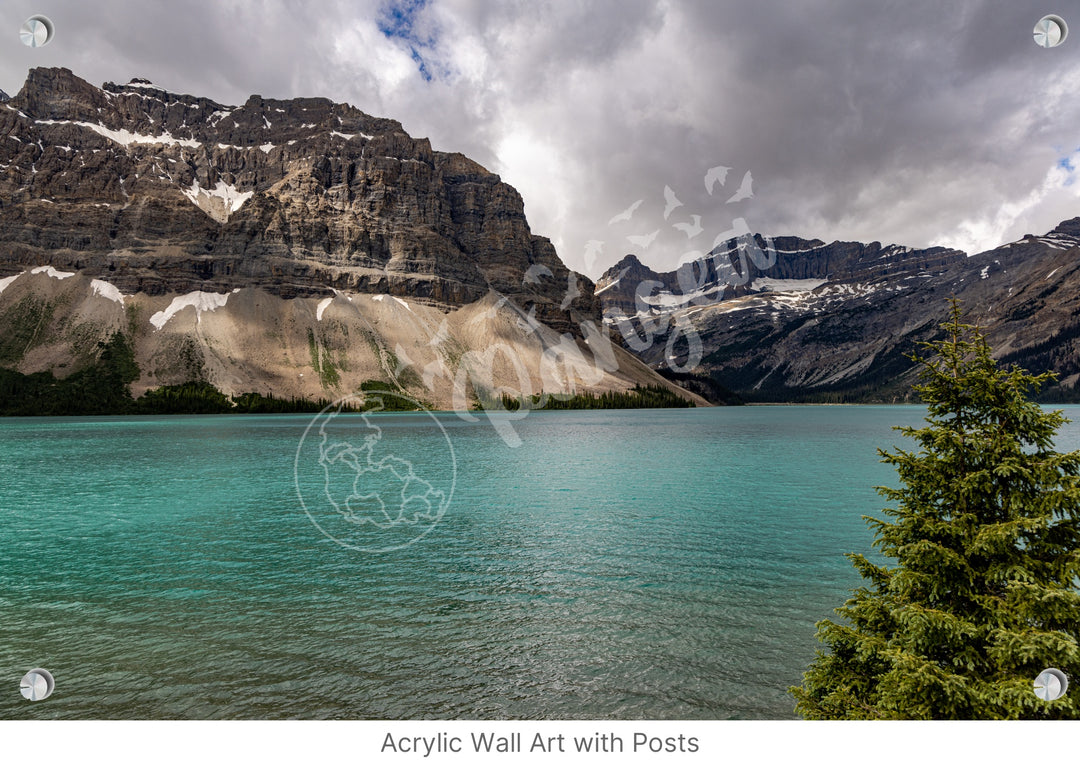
<point x="912" y="122"/>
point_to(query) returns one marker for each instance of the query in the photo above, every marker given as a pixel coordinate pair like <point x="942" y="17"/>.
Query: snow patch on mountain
<point x="218" y="202"/>
<point x="216" y="116"/>
<point x="126" y="138"/>
<point x="4" y="283"/>
<point x="200" y="300"/>
<point x="770" y="284"/>
<point x="345" y="136"/>
<point x="142" y="83"/>
<point x="52" y="272"/>
<point x="1056" y="239"/>
<point x="894" y="250"/>
<point x="108" y="290"/>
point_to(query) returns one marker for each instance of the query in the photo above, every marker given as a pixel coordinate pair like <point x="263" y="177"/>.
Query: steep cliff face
<point x="167" y="193"/>
<point x="298" y="247"/>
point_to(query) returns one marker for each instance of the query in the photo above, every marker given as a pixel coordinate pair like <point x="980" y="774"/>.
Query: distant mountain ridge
<point x="835" y="322"/>
<point x="780" y="258"/>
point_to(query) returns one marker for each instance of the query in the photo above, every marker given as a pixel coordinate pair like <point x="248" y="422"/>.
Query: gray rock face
<point x="167" y="193"/>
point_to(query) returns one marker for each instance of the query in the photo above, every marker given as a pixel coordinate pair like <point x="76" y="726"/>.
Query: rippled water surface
<point x="640" y="564"/>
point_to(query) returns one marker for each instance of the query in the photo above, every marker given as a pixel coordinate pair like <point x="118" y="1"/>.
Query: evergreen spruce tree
<point x="980" y="590"/>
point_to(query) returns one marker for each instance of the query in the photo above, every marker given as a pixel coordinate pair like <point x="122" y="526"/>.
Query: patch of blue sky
<point x="398" y="21"/>
<point x="1068" y="162"/>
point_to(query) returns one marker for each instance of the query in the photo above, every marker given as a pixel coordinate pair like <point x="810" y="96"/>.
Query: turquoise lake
<point x="616" y="564"/>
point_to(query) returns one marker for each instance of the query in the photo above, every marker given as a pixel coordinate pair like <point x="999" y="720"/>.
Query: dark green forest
<point x="638" y="397"/>
<point x="104" y="388"/>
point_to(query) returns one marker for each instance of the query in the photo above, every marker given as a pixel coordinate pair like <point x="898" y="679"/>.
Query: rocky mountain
<point x="734" y="268"/>
<point x="297" y="246"/>
<point x="787" y="319"/>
